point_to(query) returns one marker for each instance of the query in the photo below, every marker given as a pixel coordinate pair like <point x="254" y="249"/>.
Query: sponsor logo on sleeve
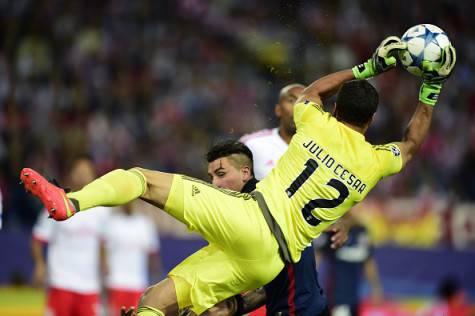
<point x="395" y="151"/>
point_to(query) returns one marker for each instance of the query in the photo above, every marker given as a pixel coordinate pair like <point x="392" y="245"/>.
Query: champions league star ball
<point x="425" y="43"/>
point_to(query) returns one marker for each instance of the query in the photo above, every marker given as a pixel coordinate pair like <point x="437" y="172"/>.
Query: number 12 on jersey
<point x="310" y="167"/>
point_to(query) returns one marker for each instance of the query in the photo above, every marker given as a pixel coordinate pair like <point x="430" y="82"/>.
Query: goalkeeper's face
<point x="227" y="174"/>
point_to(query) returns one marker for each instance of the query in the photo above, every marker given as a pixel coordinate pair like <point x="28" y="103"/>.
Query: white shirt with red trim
<point x="130" y="239"/>
<point x="267" y="147"/>
<point x="73" y="258"/>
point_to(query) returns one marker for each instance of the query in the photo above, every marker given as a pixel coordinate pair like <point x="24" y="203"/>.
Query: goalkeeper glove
<point x="382" y="60"/>
<point x="435" y="74"/>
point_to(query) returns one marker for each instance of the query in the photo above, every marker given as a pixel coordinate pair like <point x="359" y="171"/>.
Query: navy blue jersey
<point x="296" y="291"/>
<point x="346" y="264"/>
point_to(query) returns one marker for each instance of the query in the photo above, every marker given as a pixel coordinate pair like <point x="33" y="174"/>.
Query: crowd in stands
<point x="155" y="83"/>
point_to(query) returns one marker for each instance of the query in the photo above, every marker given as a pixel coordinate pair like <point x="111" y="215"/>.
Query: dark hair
<point x="228" y="148"/>
<point x="356" y="102"/>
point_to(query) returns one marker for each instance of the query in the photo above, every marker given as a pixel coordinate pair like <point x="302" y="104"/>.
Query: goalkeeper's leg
<point x="122" y="186"/>
<point x="115" y="188"/>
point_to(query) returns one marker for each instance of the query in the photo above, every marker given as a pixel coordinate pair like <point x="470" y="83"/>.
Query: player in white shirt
<point x="72" y="266"/>
<point x="268" y="145"/>
<point x="132" y="247"/>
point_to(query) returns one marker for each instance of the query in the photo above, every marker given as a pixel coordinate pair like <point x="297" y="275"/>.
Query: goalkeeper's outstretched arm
<point x="382" y="60"/>
<point x="432" y="81"/>
<point x="326" y="86"/>
<point x="416" y="132"/>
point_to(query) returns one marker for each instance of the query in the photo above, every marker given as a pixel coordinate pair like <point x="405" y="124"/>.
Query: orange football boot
<point x="53" y="198"/>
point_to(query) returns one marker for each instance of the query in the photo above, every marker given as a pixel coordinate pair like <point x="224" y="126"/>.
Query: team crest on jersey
<point x="395" y="151"/>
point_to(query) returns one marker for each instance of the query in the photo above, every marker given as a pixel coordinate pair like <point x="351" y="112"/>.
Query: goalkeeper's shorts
<point x="242" y="255"/>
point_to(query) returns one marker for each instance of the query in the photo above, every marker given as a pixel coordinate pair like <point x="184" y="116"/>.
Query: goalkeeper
<point x="328" y="167"/>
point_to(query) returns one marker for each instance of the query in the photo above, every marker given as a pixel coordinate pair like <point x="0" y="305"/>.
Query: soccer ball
<point x="425" y="43"/>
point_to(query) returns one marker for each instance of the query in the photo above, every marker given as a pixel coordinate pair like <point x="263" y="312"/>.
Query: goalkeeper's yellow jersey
<point x="327" y="168"/>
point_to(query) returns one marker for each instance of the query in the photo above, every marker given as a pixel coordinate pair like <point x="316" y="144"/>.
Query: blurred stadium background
<point x="155" y="83"/>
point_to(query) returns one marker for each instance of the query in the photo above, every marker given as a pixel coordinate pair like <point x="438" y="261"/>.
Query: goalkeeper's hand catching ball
<point x="383" y="59"/>
<point x="433" y="77"/>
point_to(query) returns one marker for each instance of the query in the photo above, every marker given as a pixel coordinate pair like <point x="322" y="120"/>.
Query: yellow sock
<point x="149" y="311"/>
<point x="114" y="188"/>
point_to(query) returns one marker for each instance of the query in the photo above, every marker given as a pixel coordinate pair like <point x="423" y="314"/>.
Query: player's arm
<point x="416" y="132"/>
<point x="39" y="273"/>
<point x="325" y="87"/>
<point x="237" y="305"/>
<point x="103" y="260"/>
<point x="42" y="232"/>
<point x="340" y="230"/>
<point x="432" y="82"/>
<point x="382" y="60"/>
<point x="155" y="266"/>
<point x="372" y="276"/>
<point x="250" y="301"/>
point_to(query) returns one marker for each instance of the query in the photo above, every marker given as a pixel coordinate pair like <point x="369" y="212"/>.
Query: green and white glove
<point x="383" y="59"/>
<point x="434" y="76"/>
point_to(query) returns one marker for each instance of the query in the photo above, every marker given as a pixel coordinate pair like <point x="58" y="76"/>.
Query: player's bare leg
<point x="161" y="297"/>
<point x="158" y="186"/>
